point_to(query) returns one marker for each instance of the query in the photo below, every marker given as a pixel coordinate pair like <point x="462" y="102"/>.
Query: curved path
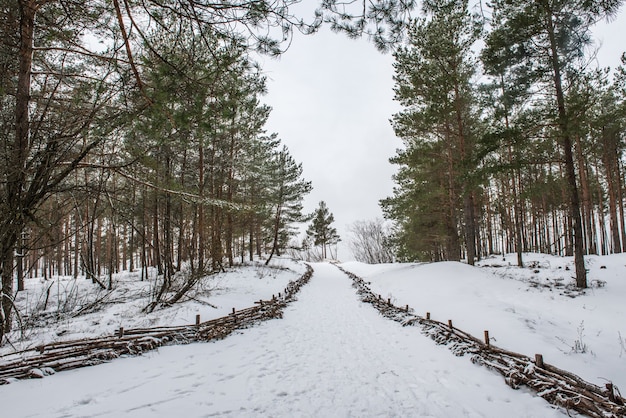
<point x="330" y="356"/>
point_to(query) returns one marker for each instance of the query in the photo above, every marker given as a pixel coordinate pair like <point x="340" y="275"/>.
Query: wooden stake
<point x="539" y="360"/>
<point x="121" y="332"/>
<point x="198" y="319"/>
<point x="427" y="315"/>
<point x="389" y="301"/>
<point x="487" y="338"/>
<point x="233" y="311"/>
<point x="609" y="388"/>
<point x="407" y="308"/>
<point x="450" y="323"/>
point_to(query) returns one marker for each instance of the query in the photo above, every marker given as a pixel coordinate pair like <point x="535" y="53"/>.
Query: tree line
<point x="513" y="143"/>
<point x="132" y="135"/>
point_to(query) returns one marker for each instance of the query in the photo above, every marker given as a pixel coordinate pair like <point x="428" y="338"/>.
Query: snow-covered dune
<point x="63" y="316"/>
<point x="528" y="310"/>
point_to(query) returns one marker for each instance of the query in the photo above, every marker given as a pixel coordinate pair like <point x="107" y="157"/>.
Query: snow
<point x="527" y="310"/>
<point x="330" y="356"/>
<point x="123" y="307"/>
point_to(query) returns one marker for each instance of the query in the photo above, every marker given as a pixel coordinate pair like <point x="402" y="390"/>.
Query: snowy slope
<point x="123" y="306"/>
<point x="528" y="310"/>
<point x="330" y="356"/>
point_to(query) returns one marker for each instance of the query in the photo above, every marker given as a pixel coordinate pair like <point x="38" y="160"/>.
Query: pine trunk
<point x="566" y="143"/>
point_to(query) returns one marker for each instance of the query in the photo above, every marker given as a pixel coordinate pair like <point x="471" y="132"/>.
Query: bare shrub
<point x="370" y="241"/>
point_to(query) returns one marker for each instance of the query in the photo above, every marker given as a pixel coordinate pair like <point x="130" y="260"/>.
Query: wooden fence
<point x="54" y="357"/>
<point x="557" y="386"/>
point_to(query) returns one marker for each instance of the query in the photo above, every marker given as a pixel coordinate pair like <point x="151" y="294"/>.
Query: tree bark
<point x="566" y="143"/>
<point x="586" y="200"/>
<point x="620" y="204"/>
<point x="14" y="223"/>
<point x="609" y="160"/>
<point x="453" y="246"/>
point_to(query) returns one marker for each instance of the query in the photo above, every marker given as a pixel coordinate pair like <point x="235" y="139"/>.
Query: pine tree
<point x="434" y="85"/>
<point x="321" y="230"/>
<point x="62" y="105"/>
<point x="286" y="195"/>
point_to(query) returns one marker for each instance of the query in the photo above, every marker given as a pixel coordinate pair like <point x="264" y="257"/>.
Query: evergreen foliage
<point x="321" y="231"/>
<point x="436" y="176"/>
<point x="537" y="163"/>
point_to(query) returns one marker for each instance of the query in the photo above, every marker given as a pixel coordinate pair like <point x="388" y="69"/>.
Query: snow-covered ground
<point x="528" y="310"/>
<point x="330" y="356"/>
<point x="68" y="314"/>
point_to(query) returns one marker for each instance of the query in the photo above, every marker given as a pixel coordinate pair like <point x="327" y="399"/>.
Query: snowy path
<point x="330" y="356"/>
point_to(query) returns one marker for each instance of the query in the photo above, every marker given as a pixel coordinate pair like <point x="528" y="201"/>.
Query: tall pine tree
<point x="434" y="85"/>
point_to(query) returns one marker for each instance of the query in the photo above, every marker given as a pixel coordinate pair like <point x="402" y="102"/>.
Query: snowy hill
<point x="528" y="310"/>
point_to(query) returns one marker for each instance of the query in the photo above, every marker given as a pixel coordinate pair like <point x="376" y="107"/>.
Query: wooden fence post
<point x="198" y="319"/>
<point x="609" y="388"/>
<point x="450" y="323"/>
<point x="487" y="338"/>
<point x="121" y="332"/>
<point x="427" y="315"/>
<point x="539" y="360"/>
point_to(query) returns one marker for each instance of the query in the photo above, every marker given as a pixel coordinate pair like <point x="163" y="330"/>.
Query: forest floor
<point x="332" y="355"/>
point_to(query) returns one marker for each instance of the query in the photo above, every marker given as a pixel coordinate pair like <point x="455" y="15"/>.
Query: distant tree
<point x="307" y="250"/>
<point x="320" y="229"/>
<point x="370" y="241"/>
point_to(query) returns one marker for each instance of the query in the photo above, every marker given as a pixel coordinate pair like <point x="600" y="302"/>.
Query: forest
<point x="133" y="135"/>
<point x="513" y="138"/>
<point x="133" y="138"/>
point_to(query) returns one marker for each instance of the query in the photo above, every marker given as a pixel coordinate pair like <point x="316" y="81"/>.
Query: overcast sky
<point x="332" y="100"/>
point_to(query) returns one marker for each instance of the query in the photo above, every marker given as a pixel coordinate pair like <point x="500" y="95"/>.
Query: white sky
<point x="332" y="100"/>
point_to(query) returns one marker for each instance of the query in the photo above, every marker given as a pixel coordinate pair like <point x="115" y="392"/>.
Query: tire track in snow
<point x="330" y="356"/>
